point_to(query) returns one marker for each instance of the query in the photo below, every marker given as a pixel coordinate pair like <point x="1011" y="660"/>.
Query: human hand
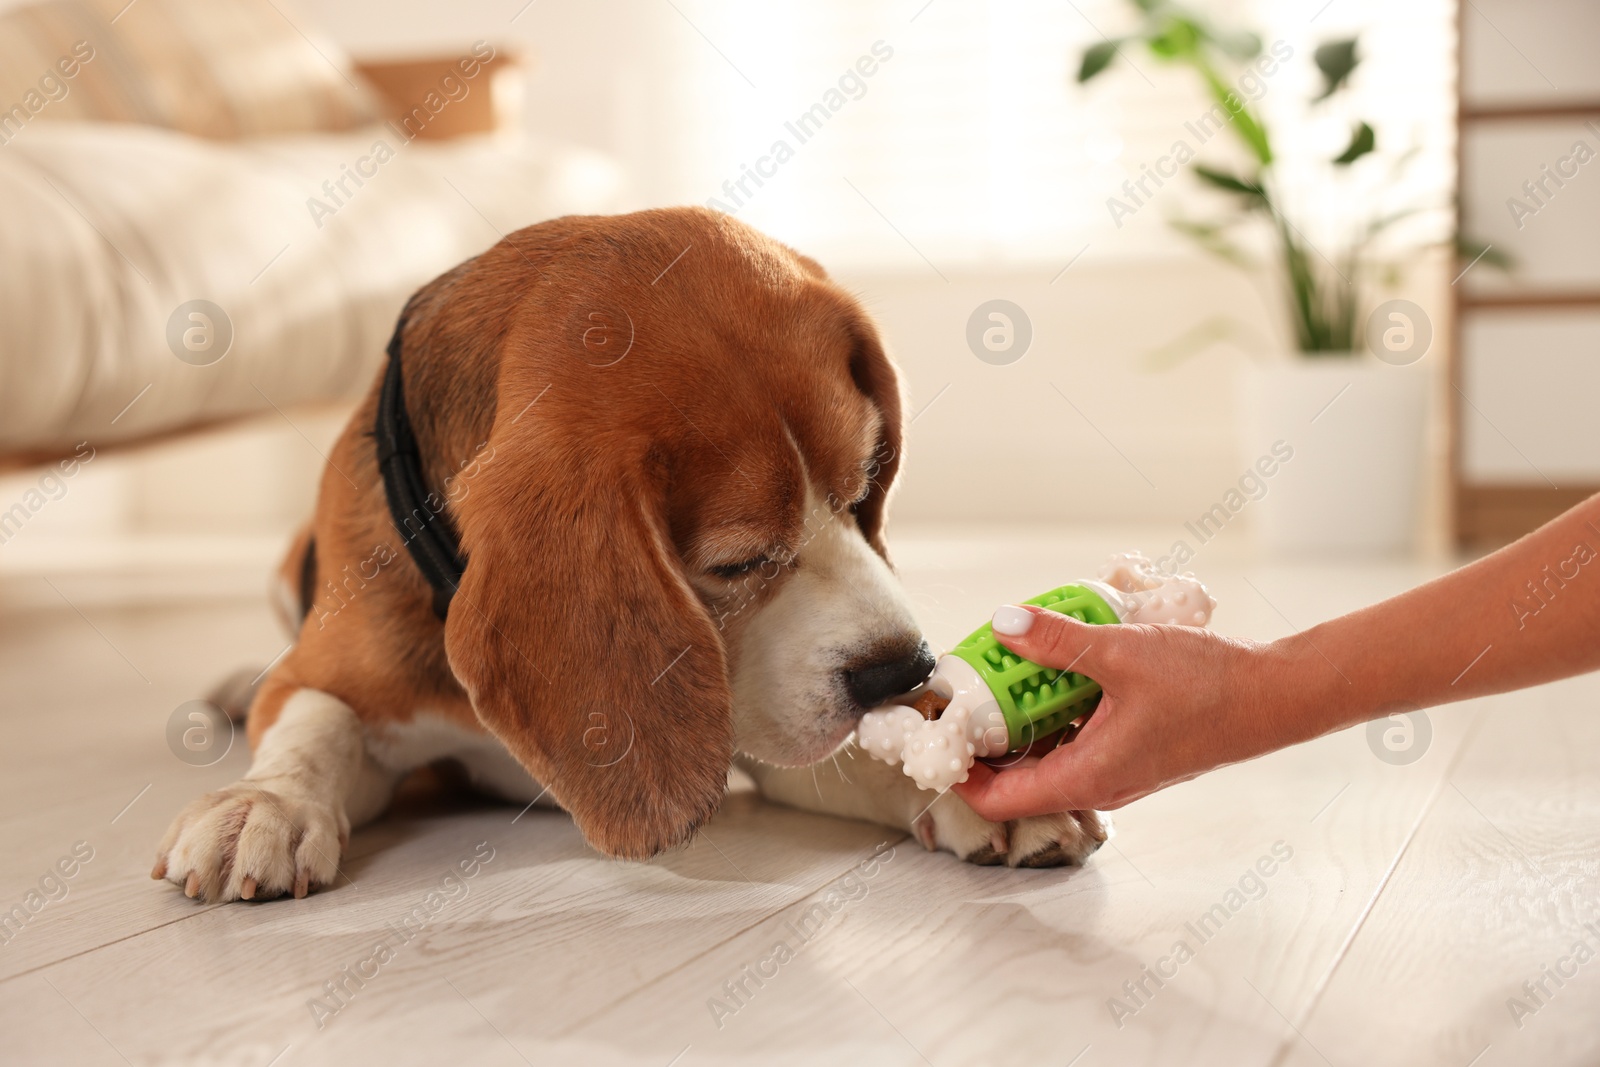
<point x="1178" y="701"/>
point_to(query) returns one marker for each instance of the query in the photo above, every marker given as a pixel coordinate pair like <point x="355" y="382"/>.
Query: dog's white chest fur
<point x="405" y="746"/>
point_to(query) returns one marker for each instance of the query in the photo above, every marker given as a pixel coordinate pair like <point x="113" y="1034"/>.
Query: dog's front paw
<point x="1037" y="841"/>
<point x="250" y="843"/>
<point x="1069" y="837"/>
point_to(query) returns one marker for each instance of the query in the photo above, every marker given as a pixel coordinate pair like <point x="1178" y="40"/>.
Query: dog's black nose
<point x="881" y="675"/>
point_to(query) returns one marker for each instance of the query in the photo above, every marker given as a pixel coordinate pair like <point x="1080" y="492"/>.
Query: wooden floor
<point x="1415" y="902"/>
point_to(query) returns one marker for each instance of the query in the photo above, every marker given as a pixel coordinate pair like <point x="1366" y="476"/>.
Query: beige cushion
<point x="58" y="62"/>
<point x="213" y="68"/>
<point x="111" y="229"/>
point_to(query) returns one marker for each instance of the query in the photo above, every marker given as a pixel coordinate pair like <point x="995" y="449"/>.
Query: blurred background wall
<point x="971" y="168"/>
<point x="966" y="167"/>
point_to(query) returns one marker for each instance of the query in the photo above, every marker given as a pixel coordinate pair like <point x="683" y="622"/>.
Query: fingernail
<point x="1012" y="620"/>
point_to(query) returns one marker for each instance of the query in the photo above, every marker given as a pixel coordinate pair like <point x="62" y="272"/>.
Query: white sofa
<point x="180" y="150"/>
<point x="112" y="227"/>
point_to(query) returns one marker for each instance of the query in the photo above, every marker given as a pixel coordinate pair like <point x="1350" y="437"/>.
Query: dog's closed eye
<point x="729" y="571"/>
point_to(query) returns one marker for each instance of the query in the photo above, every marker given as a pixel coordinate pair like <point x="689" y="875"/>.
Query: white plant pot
<point x="1357" y="428"/>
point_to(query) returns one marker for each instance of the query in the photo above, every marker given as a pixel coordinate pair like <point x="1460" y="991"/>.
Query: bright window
<point x="970" y="143"/>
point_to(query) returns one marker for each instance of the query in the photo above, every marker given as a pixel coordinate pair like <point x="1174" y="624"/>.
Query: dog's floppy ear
<point x="874" y="374"/>
<point x="578" y="638"/>
<point x="876" y="377"/>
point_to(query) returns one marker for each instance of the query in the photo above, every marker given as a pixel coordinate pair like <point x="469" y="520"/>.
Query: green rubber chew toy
<point x="998" y="702"/>
<point x="1036" y="701"/>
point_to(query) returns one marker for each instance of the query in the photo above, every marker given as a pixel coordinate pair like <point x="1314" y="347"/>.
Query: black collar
<point x="418" y="512"/>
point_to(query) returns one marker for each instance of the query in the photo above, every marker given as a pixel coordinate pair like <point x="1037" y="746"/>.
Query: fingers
<point x="1019" y="791"/>
<point x="1105" y="765"/>
<point x="1055" y="640"/>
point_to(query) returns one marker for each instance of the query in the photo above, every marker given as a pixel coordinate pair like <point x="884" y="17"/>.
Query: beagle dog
<point x="611" y="521"/>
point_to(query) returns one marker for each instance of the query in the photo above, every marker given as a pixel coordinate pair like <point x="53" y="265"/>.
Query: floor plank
<point x="1499" y="883"/>
<point x="545" y="922"/>
<point x="1417" y="898"/>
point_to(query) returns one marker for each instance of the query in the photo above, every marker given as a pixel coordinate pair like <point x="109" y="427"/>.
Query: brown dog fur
<point x="608" y="434"/>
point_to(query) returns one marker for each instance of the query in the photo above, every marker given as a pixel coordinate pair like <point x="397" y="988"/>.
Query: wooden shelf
<point x="1488" y="516"/>
<point x="1576" y="109"/>
<point x="1530" y="300"/>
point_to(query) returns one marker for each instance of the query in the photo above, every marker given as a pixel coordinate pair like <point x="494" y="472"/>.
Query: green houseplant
<point x="1356" y="426"/>
<point x="1324" y="292"/>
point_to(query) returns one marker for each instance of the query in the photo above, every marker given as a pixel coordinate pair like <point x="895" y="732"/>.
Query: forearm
<point x="1526" y="614"/>
<point x="1178" y="702"/>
